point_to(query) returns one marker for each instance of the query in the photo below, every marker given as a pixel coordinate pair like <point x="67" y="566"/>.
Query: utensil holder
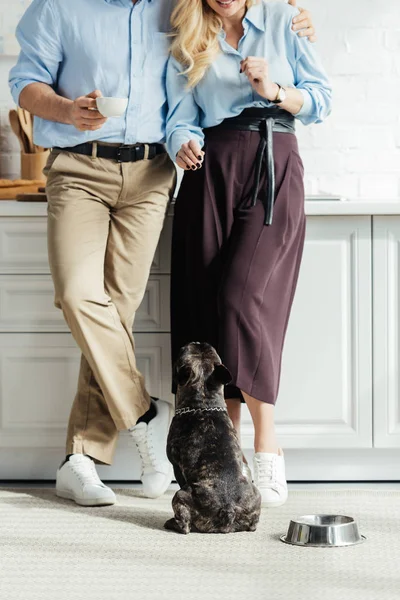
<point x="32" y="165"/>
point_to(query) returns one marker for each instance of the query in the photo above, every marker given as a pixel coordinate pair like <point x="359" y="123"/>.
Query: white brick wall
<point x="356" y="153"/>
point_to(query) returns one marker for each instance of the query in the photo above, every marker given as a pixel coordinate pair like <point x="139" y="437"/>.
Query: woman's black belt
<point x="266" y="121"/>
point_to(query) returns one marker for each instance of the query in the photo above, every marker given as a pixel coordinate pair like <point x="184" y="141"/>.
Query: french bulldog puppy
<point x="215" y="497"/>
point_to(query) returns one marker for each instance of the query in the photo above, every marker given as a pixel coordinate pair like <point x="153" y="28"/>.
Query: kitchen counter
<point x="348" y="208"/>
<point x="11" y="208"/>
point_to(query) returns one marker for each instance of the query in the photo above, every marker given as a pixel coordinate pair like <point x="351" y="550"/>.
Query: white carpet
<point x="53" y="549"/>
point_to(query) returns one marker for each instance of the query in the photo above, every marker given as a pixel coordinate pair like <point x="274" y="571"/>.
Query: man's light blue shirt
<point x="77" y="46"/>
<point x="225" y="92"/>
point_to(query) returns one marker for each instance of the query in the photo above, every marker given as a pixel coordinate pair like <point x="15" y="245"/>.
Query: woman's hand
<point x="190" y="156"/>
<point x="257" y="71"/>
<point x="303" y="23"/>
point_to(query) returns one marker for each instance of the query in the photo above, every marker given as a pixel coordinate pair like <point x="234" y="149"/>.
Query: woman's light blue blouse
<point x="225" y="92"/>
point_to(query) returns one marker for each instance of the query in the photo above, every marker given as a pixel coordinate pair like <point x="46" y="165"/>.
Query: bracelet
<point x="279" y="91"/>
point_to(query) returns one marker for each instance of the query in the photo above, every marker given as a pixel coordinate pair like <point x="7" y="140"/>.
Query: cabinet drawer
<point x="27" y="305"/>
<point x="23" y="246"/>
<point x="39" y="374"/>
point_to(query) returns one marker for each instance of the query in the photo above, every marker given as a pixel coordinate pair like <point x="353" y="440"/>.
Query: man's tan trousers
<point x="104" y="223"/>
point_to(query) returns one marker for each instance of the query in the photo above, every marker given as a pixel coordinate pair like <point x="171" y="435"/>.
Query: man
<point x="109" y="183"/>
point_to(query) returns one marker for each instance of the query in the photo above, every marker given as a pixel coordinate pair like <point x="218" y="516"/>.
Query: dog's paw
<point x="173" y="525"/>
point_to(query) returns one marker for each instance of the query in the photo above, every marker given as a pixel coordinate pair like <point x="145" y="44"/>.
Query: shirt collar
<point x="255" y="16"/>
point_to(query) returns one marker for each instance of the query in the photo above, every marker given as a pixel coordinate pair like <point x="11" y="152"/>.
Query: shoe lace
<point x="266" y="471"/>
<point x="143" y="438"/>
<point x="86" y="472"/>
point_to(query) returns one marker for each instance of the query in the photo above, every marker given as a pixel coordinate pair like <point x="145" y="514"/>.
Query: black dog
<point x="204" y="450"/>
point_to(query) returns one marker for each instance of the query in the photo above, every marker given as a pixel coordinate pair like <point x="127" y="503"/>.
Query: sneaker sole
<point x="82" y="502"/>
<point x="273" y="504"/>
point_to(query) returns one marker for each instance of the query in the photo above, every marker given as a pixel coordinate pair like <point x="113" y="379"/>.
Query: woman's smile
<point x="226" y="4"/>
<point x="228" y="8"/>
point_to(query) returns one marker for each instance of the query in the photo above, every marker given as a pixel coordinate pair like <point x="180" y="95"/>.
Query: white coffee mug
<point x="112" y="107"/>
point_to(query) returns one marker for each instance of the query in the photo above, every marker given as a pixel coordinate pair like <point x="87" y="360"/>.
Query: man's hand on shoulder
<point x="303" y="23"/>
<point x="83" y="113"/>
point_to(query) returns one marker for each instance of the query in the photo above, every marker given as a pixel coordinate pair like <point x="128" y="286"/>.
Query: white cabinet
<point x="325" y="399"/>
<point x="386" y="299"/>
<point x="27" y="305"/>
<point x="38" y="379"/>
<point x="340" y="376"/>
<point x="23" y="246"/>
<point x="39" y="360"/>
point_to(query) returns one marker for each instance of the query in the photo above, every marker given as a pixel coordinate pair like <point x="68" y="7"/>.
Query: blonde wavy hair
<point x="195" y="37"/>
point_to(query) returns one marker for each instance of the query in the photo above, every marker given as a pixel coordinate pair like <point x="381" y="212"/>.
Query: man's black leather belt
<point x="266" y="121"/>
<point x="121" y="154"/>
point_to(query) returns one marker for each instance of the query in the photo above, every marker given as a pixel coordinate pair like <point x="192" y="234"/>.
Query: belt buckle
<point x="138" y="152"/>
<point x="124" y="154"/>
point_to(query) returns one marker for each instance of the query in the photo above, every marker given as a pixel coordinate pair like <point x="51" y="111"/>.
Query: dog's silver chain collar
<point x="187" y="410"/>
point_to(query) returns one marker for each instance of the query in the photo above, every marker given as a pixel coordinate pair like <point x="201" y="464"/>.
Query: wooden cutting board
<point x="31" y="198"/>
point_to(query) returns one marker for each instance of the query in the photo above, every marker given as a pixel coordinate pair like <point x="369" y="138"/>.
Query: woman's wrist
<point x="271" y="91"/>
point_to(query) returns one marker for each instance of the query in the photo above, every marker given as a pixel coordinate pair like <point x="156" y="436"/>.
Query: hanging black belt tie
<point x="266" y="121"/>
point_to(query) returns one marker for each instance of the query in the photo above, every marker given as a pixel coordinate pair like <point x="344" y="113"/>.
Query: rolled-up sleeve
<point x="183" y="121"/>
<point x="41" y="50"/>
<point x="311" y="80"/>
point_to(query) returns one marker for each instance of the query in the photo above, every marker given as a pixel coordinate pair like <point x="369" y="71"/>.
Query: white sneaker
<point x="151" y="442"/>
<point x="246" y="471"/>
<point x="269" y="477"/>
<point x="77" y="480"/>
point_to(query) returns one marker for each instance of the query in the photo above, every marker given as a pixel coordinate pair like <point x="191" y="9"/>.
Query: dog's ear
<point x="221" y="375"/>
<point x="182" y="375"/>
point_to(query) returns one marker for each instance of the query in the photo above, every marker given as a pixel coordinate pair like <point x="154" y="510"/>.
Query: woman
<point x="237" y="78"/>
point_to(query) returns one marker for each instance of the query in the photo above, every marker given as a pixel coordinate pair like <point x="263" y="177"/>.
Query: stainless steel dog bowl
<point x="323" y="531"/>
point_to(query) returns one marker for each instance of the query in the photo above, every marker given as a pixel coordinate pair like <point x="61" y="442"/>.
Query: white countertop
<point x="11" y="208"/>
<point x="331" y="208"/>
